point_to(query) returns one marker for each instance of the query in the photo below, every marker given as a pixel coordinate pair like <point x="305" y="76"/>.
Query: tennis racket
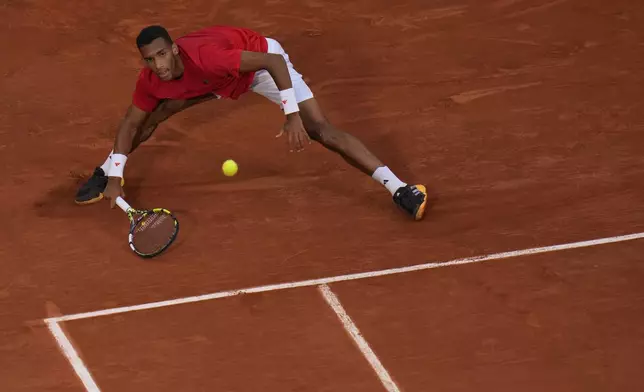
<point x="151" y="231"/>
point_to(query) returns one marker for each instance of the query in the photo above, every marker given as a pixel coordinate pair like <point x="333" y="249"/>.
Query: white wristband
<point x="289" y="103"/>
<point x="117" y="165"/>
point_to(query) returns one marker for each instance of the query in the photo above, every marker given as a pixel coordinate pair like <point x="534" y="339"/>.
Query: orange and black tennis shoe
<point x="92" y="190"/>
<point x="412" y="199"/>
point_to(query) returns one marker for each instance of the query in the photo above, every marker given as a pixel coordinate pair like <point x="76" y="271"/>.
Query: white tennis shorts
<point x="263" y="83"/>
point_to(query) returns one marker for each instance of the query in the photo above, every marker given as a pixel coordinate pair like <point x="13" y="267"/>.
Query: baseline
<point x="341" y="278"/>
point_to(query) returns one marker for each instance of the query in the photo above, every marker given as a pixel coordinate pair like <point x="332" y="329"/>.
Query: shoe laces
<point x="415" y="191"/>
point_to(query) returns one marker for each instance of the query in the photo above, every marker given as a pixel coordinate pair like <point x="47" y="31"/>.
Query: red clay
<point x="523" y="117"/>
<point x="279" y="341"/>
<point x="566" y="321"/>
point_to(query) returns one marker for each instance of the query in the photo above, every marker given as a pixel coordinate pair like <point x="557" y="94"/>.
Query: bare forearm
<point x="123" y="146"/>
<point x="124" y="138"/>
<point x="279" y="72"/>
<point x="128" y="128"/>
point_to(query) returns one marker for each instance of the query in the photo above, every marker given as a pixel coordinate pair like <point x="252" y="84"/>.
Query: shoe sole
<point x="96" y="199"/>
<point x="90" y="201"/>
<point x="420" y="212"/>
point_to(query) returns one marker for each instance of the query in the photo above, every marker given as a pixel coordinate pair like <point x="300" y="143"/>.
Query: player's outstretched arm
<point x="277" y="68"/>
<point x="273" y="63"/>
<point x="131" y="122"/>
<point x="134" y="118"/>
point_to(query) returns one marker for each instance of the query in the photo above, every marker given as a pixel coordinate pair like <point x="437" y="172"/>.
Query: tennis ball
<point x="229" y="168"/>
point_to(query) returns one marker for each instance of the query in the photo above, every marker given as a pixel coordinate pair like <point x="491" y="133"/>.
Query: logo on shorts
<point x="205" y="81"/>
<point x="117" y="163"/>
<point x="284" y="102"/>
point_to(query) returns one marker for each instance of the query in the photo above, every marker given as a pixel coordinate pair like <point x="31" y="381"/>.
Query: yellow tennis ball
<point x="229" y="168"/>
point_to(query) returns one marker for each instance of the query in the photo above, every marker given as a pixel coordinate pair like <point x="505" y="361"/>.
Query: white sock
<point x="384" y="176"/>
<point x="106" y="165"/>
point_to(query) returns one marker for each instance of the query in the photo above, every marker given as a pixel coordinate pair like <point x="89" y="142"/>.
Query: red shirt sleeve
<point x="142" y="98"/>
<point x="222" y="63"/>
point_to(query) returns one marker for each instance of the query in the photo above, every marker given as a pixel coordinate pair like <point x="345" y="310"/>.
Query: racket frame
<point x="125" y="206"/>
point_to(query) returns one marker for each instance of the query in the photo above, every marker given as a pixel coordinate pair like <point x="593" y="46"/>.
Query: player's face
<point x="159" y="56"/>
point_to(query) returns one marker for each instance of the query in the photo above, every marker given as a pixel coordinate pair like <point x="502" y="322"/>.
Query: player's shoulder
<point x="210" y="44"/>
<point x="200" y="33"/>
<point x="212" y="31"/>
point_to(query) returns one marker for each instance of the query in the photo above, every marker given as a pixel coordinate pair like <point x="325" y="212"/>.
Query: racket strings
<point x="153" y="232"/>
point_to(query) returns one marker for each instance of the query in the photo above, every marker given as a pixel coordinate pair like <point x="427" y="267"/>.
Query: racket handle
<point x="122" y="204"/>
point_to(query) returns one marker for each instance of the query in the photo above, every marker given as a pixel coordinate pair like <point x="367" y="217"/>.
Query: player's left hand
<point x="297" y="135"/>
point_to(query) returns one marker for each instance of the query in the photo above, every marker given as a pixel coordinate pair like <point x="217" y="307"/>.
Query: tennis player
<point x="222" y="62"/>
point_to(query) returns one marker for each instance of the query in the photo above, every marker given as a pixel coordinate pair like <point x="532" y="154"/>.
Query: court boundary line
<point x="81" y="370"/>
<point x="344" y="278"/>
<point x="72" y="356"/>
<point x="352" y="330"/>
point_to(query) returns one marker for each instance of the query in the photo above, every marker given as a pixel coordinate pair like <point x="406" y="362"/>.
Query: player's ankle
<point x="388" y="179"/>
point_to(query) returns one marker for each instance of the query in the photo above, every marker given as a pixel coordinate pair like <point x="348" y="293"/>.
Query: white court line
<point x="354" y="332"/>
<point x="73" y="357"/>
<point x="342" y="278"/>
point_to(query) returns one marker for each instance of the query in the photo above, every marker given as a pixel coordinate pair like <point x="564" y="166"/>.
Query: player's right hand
<point x="113" y="190"/>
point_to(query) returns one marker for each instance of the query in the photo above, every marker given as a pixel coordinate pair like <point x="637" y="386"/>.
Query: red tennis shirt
<point x="211" y="58"/>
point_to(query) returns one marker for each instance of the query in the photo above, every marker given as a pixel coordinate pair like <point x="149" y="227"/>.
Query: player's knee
<point x="314" y="129"/>
<point x="324" y="133"/>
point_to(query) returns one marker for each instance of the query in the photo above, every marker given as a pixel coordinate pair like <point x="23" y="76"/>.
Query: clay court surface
<point x="523" y="118"/>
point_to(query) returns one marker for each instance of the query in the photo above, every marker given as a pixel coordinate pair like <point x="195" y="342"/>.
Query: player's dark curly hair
<point x="150" y="33"/>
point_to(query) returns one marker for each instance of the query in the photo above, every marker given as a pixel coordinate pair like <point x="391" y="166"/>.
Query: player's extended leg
<point x="348" y="146"/>
<point x="92" y="190"/>
<point x="411" y="198"/>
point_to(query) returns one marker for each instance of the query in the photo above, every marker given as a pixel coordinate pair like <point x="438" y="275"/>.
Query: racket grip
<point x="122" y="204"/>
